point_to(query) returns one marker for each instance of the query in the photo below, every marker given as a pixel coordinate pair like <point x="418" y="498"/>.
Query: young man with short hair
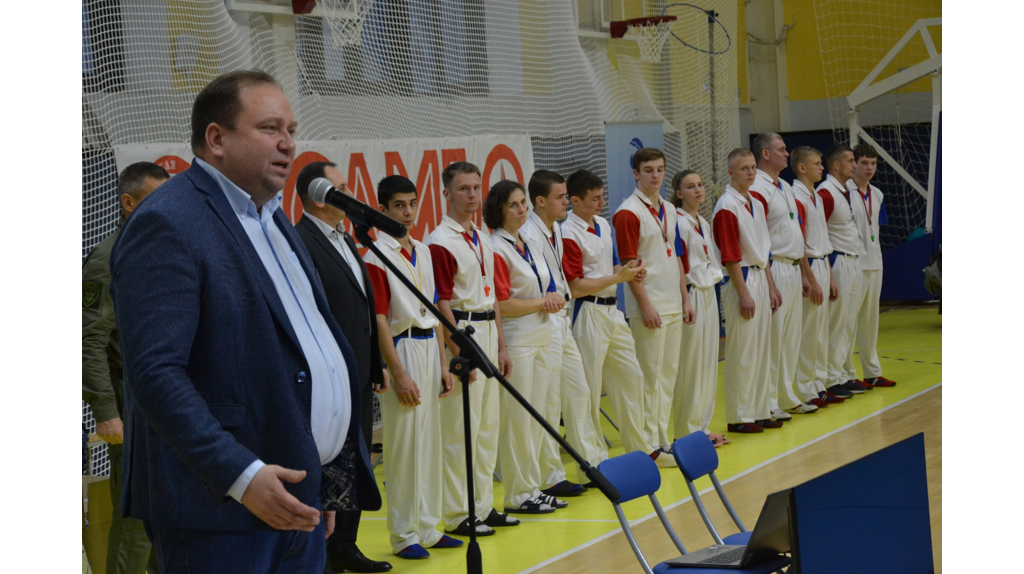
<point x="599" y="328"/>
<point x="464" y="278"/>
<point x="789" y="265"/>
<point x="812" y="368"/>
<point x="742" y="246"/>
<point x="412" y="346"/>
<point x="845" y="259"/>
<point x="569" y="394"/>
<point x="869" y="214"/>
<point x="645" y="230"/>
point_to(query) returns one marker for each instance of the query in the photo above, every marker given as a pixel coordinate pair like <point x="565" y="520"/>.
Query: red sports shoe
<point x="747" y="428"/>
<point x="818" y="403"/>
<point x="867" y="386"/>
<point x="769" y="424"/>
<point x="831" y="399"/>
<point x="884" y="382"/>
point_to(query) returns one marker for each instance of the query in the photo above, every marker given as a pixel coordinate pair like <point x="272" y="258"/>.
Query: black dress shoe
<point x="358" y="563"/>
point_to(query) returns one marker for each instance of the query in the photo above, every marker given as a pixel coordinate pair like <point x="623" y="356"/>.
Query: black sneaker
<point x="853" y="387"/>
<point x="839" y="391"/>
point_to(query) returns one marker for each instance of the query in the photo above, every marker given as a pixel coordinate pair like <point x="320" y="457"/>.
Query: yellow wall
<point x="868" y="38"/>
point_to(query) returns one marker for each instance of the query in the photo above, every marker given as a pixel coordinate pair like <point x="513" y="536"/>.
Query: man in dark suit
<point x="350" y="296"/>
<point x="240" y="431"/>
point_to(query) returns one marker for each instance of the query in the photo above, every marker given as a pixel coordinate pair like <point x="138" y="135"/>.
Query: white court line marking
<point x="566" y="520"/>
<point x="726" y="481"/>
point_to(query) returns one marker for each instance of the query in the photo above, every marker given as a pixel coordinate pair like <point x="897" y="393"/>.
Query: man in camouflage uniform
<point x="128" y="548"/>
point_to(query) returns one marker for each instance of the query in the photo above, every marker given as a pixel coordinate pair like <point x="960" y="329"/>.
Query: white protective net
<point x="410" y="69"/>
<point x="900" y="121"/>
<point x="417" y="69"/>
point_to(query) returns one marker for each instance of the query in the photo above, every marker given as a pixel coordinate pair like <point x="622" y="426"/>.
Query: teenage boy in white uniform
<point x="741" y="247"/>
<point x="845" y="259"/>
<point x="606" y="345"/>
<point x="788" y="264"/>
<point x="645" y="230"/>
<point x="812" y="369"/>
<point x="464" y="278"/>
<point x="869" y="215"/>
<point x="693" y="401"/>
<point x="568" y="392"/>
<point x="412" y="345"/>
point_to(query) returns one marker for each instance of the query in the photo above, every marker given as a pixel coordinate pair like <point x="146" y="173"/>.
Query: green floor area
<point x="910" y="347"/>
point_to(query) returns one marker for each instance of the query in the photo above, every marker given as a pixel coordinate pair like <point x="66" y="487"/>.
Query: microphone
<point x="322" y="191"/>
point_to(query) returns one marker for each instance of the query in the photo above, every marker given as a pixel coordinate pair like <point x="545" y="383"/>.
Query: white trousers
<point x="693" y="401"/>
<point x="483" y="426"/>
<point x="842" y="319"/>
<point x="609" y="359"/>
<point x="747" y="342"/>
<point x="658" y="353"/>
<point x="867" y="324"/>
<point x="412" y="449"/>
<point x="520" y="437"/>
<point x="569" y="399"/>
<point x="785" y="338"/>
<point x="812" y="370"/>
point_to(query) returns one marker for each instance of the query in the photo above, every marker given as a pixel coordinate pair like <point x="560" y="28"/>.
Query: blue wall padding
<point x="884" y="506"/>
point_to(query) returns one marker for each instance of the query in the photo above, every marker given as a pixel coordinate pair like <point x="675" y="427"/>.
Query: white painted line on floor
<point x="567" y="520"/>
<point x="632" y="523"/>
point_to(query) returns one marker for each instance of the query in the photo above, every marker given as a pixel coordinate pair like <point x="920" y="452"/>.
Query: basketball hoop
<point x="650" y="34"/>
<point x="345" y="19"/>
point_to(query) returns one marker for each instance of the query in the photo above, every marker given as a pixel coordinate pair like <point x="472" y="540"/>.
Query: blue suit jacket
<point x="214" y="374"/>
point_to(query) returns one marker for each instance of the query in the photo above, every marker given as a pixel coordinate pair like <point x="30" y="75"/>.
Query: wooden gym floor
<point x="585" y="537"/>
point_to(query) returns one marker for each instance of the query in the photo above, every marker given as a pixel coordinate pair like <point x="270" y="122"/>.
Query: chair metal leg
<point x="668" y="526"/>
<point x="703" y="512"/>
<point x="725" y="502"/>
<point x="609" y="419"/>
<point x="632" y="541"/>
<point x="606" y="441"/>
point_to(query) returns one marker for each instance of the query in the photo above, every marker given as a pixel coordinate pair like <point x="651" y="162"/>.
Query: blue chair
<point x="634" y="475"/>
<point x="697" y="457"/>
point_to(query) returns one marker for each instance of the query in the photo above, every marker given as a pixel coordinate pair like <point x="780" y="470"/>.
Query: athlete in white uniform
<point x="412" y="345"/>
<point x="464" y="278"/>
<point x="812" y="369"/>
<point x="741" y="248"/>
<point x="789" y="266"/>
<point x="693" y="401"/>
<point x="869" y="214"/>
<point x="526" y="291"/>
<point x="645" y="230"/>
<point x="845" y="259"/>
<point x="600" y="330"/>
<point x="568" y="392"/>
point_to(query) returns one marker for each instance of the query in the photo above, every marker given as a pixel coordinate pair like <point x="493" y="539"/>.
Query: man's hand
<point x="816" y="295"/>
<point x="504" y="363"/>
<point x="805" y="286"/>
<point x="111" y="431"/>
<point x="447" y="383"/>
<point x="270" y="502"/>
<point x="833" y="292"/>
<point x="553" y="302"/>
<point x="688" y="315"/>
<point x="407" y="391"/>
<point x="329" y="519"/>
<point x="776" y="298"/>
<point x="747" y="306"/>
<point x="652" y="320"/>
<point x="384" y="385"/>
<point x="630" y="270"/>
<point x="642" y="274"/>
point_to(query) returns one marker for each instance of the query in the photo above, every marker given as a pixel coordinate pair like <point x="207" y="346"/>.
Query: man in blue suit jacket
<point x="240" y="428"/>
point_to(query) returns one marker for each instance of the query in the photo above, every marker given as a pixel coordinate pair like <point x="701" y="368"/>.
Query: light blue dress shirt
<point x="331" y="408"/>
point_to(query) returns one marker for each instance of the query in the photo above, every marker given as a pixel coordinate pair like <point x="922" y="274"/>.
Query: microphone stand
<point x="471" y="357"/>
